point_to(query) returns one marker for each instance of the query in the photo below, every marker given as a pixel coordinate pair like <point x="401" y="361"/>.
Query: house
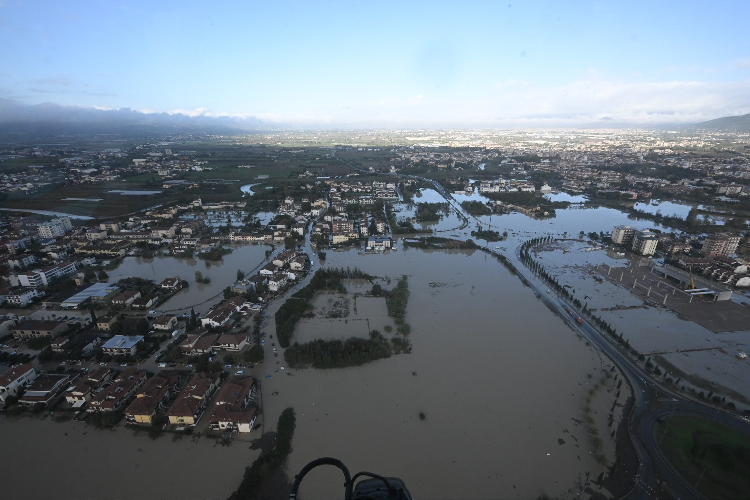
<point x="84" y="390"/>
<point x="105" y="322"/>
<point x="126" y="298"/>
<point x="284" y="258"/>
<point x="151" y="397"/>
<point x="243" y="287"/>
<point x="171" y="284"/>
<point x="298" y="264"/>
<point x="231" y="411"/>
<point x="218" y="316"/>
<point x="188" y="408"/>
<point x="89" y="341"/>
<point x="58" y="345"/>
<point x="165" y="323"/>
<point x="232" y="341"/>
<point x="268" y="270"/>
<point x="114" y="396"/>
<point x="22" y="296"/>
<point x="195" y="345"/>
<point x="13" y="380"/>
<point x="145" y="302"/>
<point x="277" y="282"/>
<point x="37" y="329"/>
<point x="122" y="345"/>
<point x="234" y="303"/>
<point x="45" y="389"/>
<point x="378" y="243"/>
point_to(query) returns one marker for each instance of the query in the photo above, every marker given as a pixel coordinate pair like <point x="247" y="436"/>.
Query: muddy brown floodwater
<point x="47" y="460"/>
<point x="501" y="380"/>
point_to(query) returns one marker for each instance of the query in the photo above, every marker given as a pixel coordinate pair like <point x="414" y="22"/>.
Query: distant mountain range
<point x="728" y="124"/>
<point x="21" y="121"/>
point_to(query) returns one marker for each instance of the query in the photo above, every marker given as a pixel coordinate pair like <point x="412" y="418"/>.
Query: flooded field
<point x="222" y="273"/>
<point x="71" y="460"/>
<point x="501" y="380"/>
<point x="687" y="345"/>
<point x="340" y="316"/>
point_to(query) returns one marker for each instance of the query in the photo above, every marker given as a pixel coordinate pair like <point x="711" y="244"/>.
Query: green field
<point x="693" y="445"/>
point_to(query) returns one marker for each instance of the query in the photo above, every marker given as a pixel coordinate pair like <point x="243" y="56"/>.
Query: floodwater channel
<point x="222" y="273"/>
<point x="502" y="382"/>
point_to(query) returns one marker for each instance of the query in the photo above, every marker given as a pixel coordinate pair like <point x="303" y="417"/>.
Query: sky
<point x="404" y="64"/>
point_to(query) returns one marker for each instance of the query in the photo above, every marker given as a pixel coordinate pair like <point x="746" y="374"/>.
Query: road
<point x="652" y="400"/>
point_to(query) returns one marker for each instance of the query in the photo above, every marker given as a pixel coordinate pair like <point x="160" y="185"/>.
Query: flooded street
<point x="222" y="273"/>
<point x="501" y="380"/>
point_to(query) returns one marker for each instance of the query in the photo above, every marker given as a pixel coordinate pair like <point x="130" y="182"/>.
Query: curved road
<point x="653" y="401"/>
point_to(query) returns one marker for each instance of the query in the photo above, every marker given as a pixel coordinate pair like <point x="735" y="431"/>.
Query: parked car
<point x="275" y="393"/>
<point x="227" y="366"/>
<point x="239" y="372"/>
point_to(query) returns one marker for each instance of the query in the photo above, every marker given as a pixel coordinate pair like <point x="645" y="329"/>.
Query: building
<point x="379" y="243"/>
<point x="189" y="406"/>
<point x="126" y="298"/>
<point x="623" y="235"/>
<point x="232" y="341"/>
<point x="45" y="389"/>
<point x="13" y="381"/>
<point x="277" y="282"/>
<point x="55" y="228"/>
<point x="195" y="345"/>
<point x="171" y="284"/>
<point x="122" y="345"/>
<point x="152" y="396"/>
<point x="165" y="323"/>
<point x="644" y="243"/>
<point x="37" y="329"/>
<point x="98" y="292"/>
<point x="105" y="322"/>
<point x="231" y="411"/>
<point x="42" y="277"/>
<point x="218" y="317"/>
<point x="80" y="394"/>
<point x="22" y="296"/>
<point x="113" y="227"/>
<point x="720" y="244"/>
<point x="116" y="395"/>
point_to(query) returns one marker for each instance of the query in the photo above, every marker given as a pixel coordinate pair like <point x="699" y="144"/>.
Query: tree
<point x="103" y="276"/>
<point x="93" y="315"/>
<point x="240" y="275"/>
<point x="89" y="275"/>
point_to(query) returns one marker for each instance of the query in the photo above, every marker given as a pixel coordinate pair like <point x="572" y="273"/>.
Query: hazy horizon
<point x="387" y="65"/>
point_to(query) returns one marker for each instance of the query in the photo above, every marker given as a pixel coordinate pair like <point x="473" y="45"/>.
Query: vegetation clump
<point x="337" y="353"/>
<point x="269" y="462"/>
<point x="476" y="208"/>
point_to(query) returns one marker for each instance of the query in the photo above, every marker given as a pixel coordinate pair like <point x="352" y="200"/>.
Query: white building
<point x="13" y="380"/>
<point x="55" y="228"/>
<point x="121" y="344"/>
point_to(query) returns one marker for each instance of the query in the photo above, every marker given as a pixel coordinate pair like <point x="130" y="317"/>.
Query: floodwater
<point x="71" y="460"/>
<point x="132" y="192"/>
<point x="498" y="376"/>
<point x="667" y="208"/>
<point x="223" y="273"/>
<point x="650" y="329"/>
<point x="340" y="316"/>
<point x="49" y="212"/>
